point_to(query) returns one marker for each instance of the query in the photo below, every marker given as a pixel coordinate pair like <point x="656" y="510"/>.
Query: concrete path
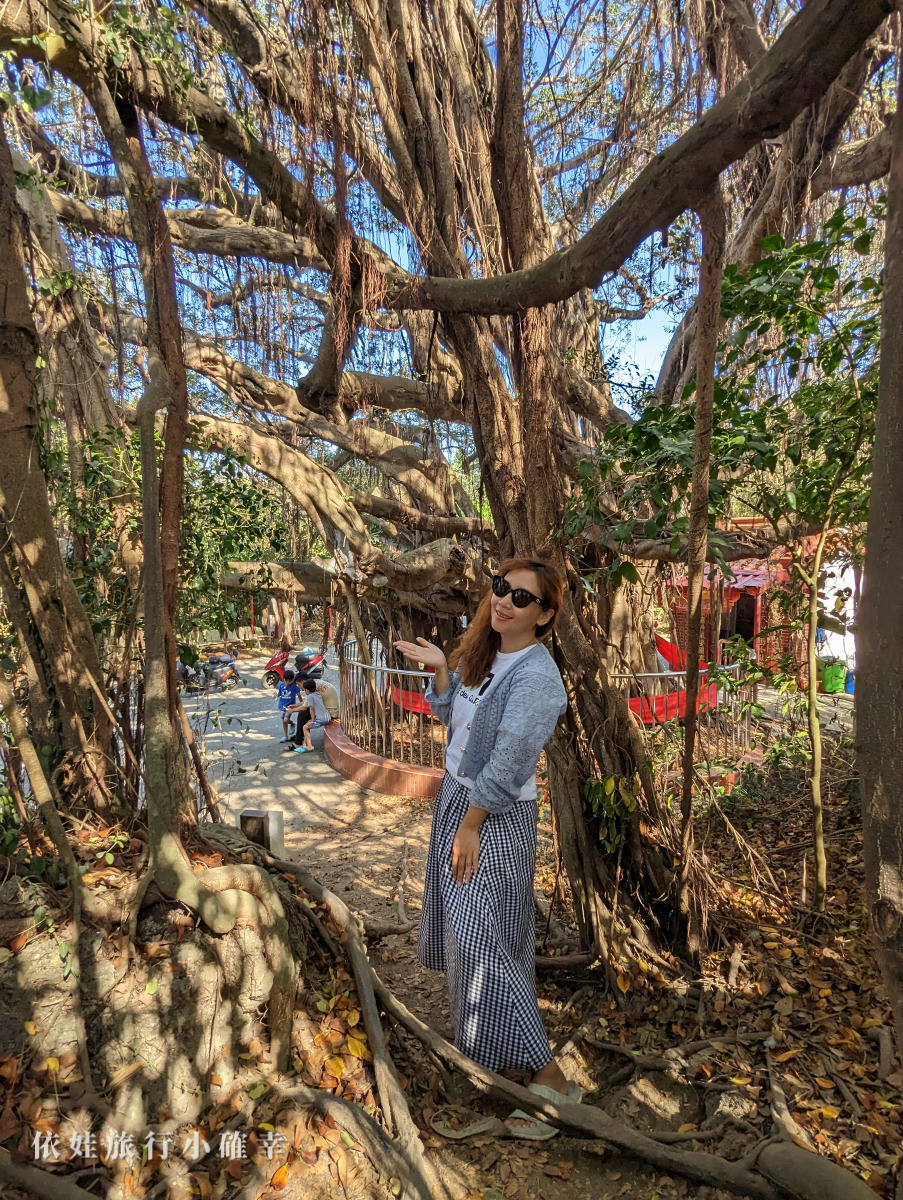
<point x="836" y="710"/>
<point x="247" y="763"/>
<point x="351" y="839"/>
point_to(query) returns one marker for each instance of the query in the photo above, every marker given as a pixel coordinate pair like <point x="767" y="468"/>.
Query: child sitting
<point x="321" y="715"/>
<point x="288" y="694"/>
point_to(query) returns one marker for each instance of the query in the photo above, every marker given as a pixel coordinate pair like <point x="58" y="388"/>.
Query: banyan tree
<point x="339" y="241"/>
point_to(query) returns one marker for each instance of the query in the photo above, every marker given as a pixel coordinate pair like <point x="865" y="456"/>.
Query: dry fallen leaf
<point x="359" y="1049"/>
<point x="9" y="1124"/>
<point x="202" y="1182"/>
<point x="335" y="1066"/>
<point x="787" y="1055"/>
<point x="280" y="1179"/>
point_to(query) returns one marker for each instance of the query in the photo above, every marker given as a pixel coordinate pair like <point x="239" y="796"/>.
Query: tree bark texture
<point x="121" y="125"/>
<point x="711" y="213"/>
<point x="879" y="651"/>
<point x="456" y="167"/>
<point x="41" y="598"/>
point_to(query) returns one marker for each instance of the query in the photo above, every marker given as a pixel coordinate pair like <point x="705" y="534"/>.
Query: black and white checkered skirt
<point x="482" y="934"/>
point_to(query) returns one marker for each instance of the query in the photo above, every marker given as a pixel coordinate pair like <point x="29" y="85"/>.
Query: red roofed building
<point x="756" y="604"/>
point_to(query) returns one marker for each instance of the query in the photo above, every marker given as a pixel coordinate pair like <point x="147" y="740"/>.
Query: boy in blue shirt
<point x="288" y="694"/>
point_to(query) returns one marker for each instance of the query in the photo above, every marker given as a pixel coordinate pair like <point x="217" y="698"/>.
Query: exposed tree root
<point x="379" y="1147"/>
<point x="38" y="1183"/>
<point x="777" y="1170"/>
<point x="780" y="1113"/>
<point x="225" y="897"/>
<point x="704" y="1168"/>
<point x="806" y="1176"/>
<point x="381" y="929"/>
<point x="57" y="834"/>
<point x="378" y="929"/>
<point x="392" y="1099"/>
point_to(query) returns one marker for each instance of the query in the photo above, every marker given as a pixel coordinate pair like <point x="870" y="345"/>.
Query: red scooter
<point x="274" y="671"/>
<point x="309" y="665"/>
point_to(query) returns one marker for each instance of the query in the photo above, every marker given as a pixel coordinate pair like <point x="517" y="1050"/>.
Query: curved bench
<point x="383" y="775"/>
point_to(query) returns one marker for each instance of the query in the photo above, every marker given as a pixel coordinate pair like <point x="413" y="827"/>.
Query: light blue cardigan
<point x="513" y="722"/>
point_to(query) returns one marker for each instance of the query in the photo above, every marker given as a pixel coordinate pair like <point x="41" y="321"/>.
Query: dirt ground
<point x="356" y="842"/>
<point x="779" y="1000"/>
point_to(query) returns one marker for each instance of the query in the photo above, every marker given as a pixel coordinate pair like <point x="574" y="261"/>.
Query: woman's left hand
<point x="465" y="853"/>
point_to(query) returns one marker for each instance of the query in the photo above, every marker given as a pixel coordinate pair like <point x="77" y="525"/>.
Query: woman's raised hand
<point x="421" y="651"/>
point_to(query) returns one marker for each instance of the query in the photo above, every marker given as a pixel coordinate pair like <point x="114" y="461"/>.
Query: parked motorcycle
<point x="219" y="672"/>
<point x="274" y="671"/>
<point x="309" y="665"/>
<point x="185" y="675"/>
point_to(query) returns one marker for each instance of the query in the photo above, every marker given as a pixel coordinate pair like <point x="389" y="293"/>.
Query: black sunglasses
<point x="520" y="597"/>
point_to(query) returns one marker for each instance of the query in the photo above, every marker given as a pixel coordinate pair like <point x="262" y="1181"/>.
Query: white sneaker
<point x="285" y="739"/>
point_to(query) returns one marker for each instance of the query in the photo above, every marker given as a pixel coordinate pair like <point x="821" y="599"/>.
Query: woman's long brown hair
<point x="476" y="651"/>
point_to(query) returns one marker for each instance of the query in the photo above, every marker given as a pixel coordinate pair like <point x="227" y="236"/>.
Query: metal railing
<point x="658" y="701"/>
<point x="383" y="710"/>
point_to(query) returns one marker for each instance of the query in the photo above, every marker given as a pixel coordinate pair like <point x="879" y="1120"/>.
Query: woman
<point x="500" y="704"/>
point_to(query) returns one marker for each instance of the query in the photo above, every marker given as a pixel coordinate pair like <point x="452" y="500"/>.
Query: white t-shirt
<point x="465" y="708"/>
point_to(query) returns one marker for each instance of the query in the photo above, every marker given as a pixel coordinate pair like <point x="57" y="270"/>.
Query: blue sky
<point x="647" y="340"/>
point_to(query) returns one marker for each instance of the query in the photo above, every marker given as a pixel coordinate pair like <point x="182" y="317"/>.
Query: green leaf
<point x="36" y="98"/>
<point x="257" y="1091"/>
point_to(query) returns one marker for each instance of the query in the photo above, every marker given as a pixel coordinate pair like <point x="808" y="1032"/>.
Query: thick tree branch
<point x="790" y="76"/>
<point x="855" y="164"/>
<point x="88" y="183"/>
<point x="735" y="546"/>
<point x="202" y="231"/>
<point x="427" y="479"/>
<point x="330" y="505"/>
<point x="793" y="73"/>
<point x="412" y="518"/>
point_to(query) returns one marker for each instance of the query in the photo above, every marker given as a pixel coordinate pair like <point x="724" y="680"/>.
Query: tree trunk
<point x="813" y="721"/>
<point x="46" y="609"/>
<point x="879" y="680"/>
<point x="75" y="380"/>
<point x="711" y="213"/>
<point x="120" y="123"/>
